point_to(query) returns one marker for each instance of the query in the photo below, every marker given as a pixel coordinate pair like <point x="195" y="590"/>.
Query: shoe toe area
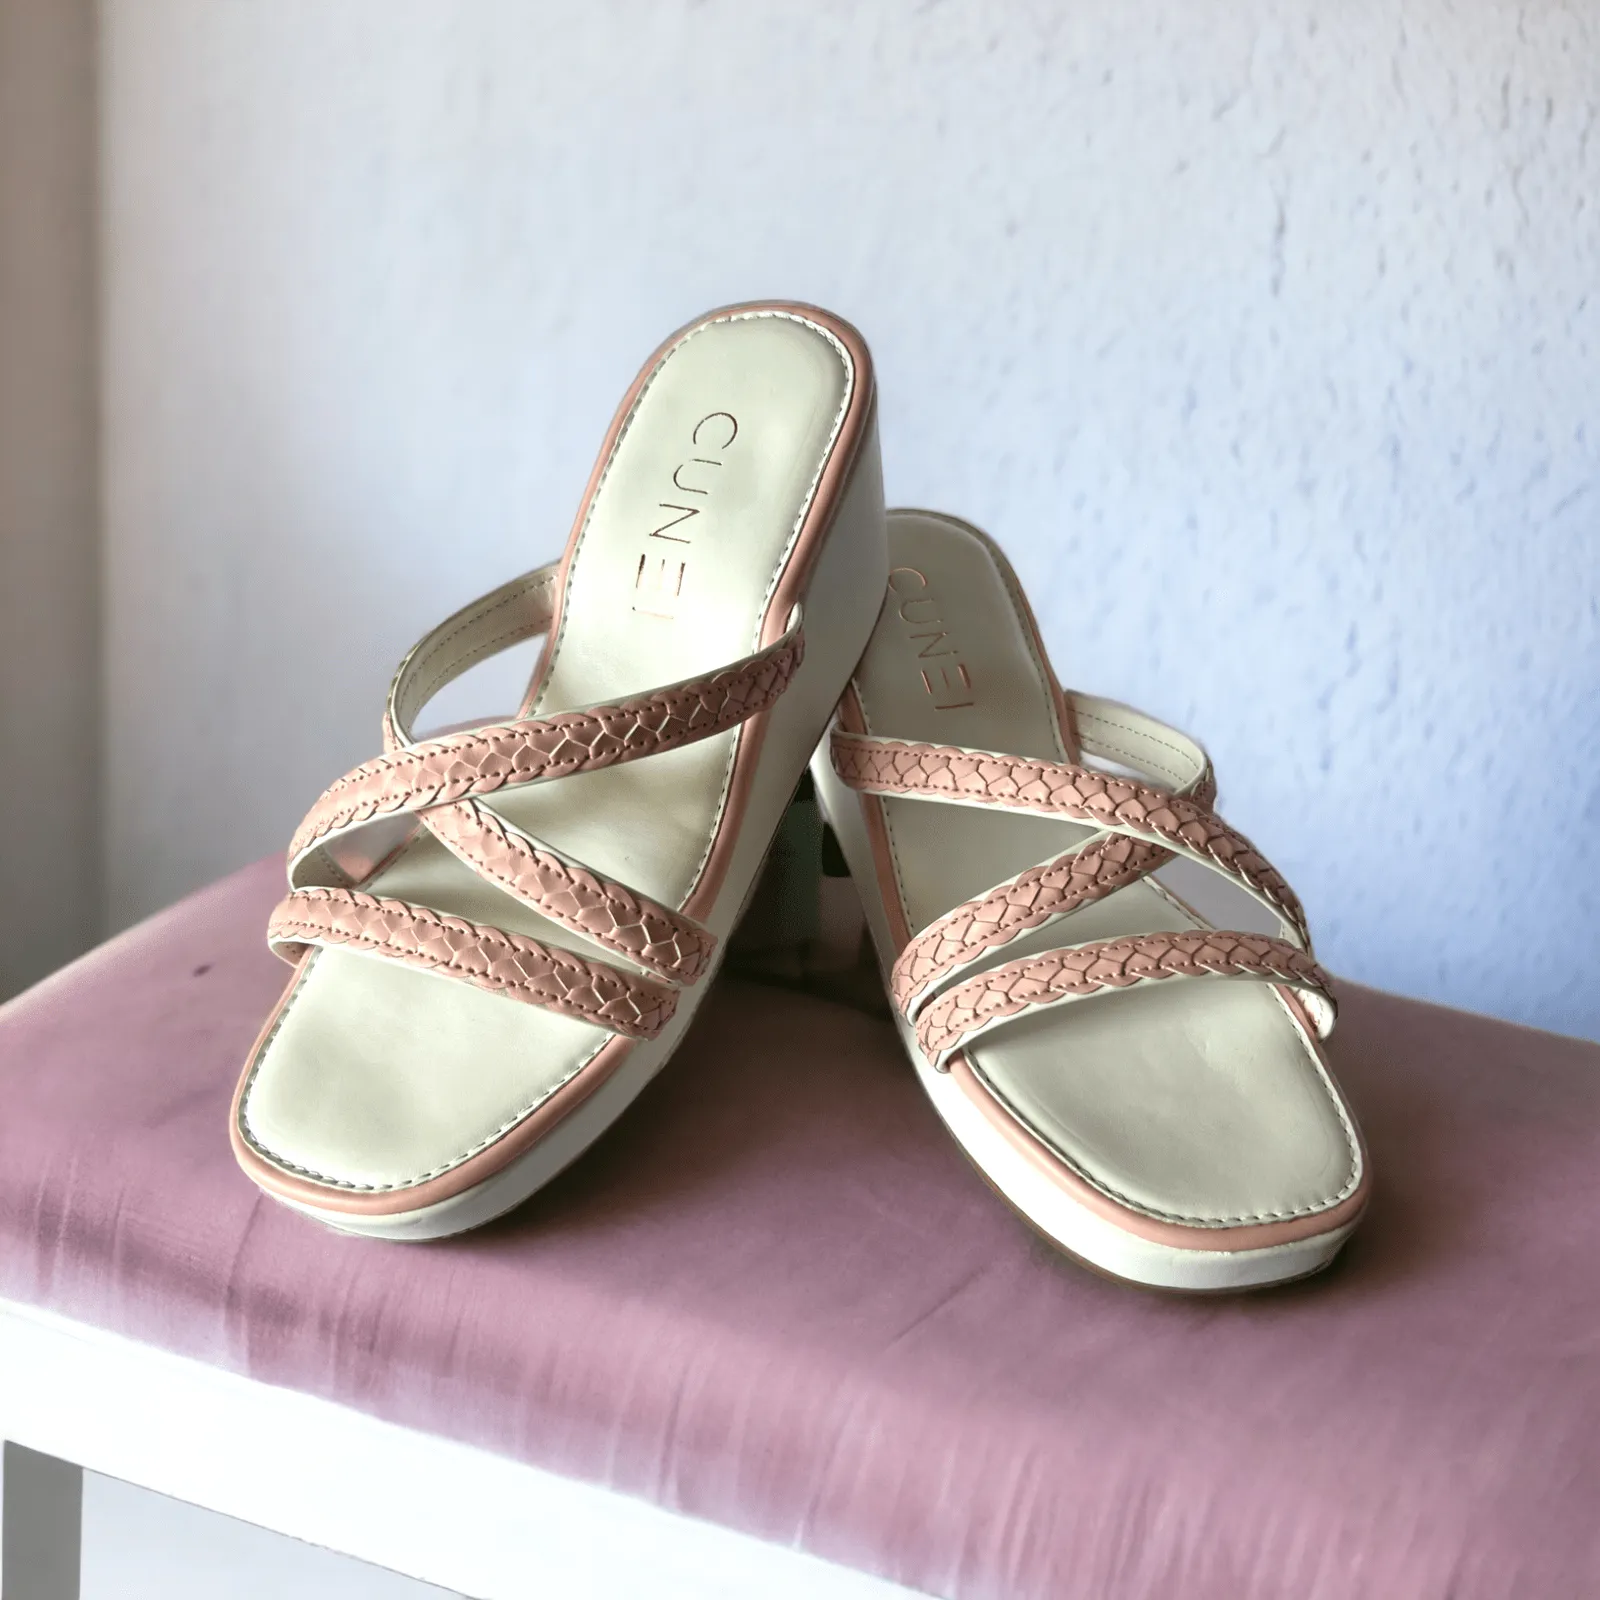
<point x="1200" y="1103"/>
<point x="379" y="1077"/>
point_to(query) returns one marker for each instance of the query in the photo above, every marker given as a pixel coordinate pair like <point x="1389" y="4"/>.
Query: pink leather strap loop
<point x="1105" y="800"/>
<point x="489" y="958"/>
<point x="988" y="921"/>
<point x="1078" y="972"/>
<point x="482" y="760"/>
<point x="633" y="925"/>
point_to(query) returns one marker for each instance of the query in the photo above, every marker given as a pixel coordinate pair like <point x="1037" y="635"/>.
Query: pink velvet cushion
<point x="777" y="1297"/>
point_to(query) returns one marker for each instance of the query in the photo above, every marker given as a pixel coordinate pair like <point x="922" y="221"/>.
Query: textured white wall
<point x="1264" y="335"/>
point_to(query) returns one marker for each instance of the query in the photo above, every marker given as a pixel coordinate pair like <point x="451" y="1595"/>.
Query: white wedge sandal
<point x="1177" y="1133"/>
<point x="500" y="934"/>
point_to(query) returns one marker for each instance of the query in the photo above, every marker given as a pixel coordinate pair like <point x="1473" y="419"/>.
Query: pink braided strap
<point x="503" y="963"/>
<point x="664" y="941"/>
<point x="1042" y="893"/>
<point x="901" y="767"/>
<point x="482" y="760"/>
<point x="1058" y="976"/>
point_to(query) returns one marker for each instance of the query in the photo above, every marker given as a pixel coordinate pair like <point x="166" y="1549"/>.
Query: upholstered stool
<point x="773" y="1336"/>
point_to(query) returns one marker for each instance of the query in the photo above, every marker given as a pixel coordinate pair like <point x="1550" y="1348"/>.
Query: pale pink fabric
<point x="777" y="1297"/>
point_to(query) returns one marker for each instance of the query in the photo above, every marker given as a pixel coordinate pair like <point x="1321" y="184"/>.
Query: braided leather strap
<point x="1059" y="976"/>
<point x="1106" y="800"/>
<point x="488" y="958"/>
<point x="439" y="782"/>
<point x="482" y="760"/>
<point x="587" y="902"/>
<point x="1076" y="878"/>
<point x="1031" y="899"/>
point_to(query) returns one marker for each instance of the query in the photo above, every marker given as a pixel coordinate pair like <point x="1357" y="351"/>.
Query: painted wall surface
<point x="1265" y="336"/>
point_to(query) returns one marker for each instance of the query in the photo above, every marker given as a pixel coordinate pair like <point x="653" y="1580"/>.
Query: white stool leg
<point x="41" y="1527"/>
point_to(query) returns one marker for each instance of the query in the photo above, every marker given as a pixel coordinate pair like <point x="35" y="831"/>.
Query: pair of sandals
<point x="500" y="933"/>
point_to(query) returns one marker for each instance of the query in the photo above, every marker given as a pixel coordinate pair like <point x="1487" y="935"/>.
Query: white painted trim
<point x="449" y="1514"/>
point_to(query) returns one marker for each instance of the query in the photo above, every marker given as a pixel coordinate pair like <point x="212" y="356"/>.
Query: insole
<point x="687" y="535"/>
<point x="686" y="538"/>
<point x="1201" y="1100"/>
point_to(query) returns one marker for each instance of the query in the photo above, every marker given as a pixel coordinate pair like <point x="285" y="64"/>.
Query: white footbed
<point x="379" y="1076"/>
<point x="1201" y="1102"/>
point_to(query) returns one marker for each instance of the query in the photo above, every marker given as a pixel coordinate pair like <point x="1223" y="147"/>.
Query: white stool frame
<point x="480" y="1525"/>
